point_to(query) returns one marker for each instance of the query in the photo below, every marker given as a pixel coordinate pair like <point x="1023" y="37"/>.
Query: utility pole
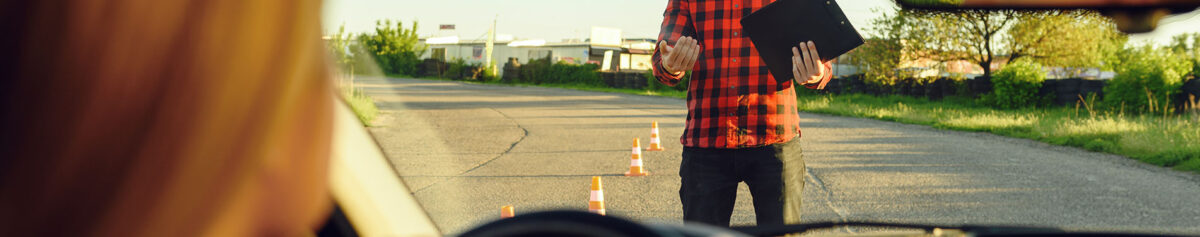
<point x="489" y="63"/>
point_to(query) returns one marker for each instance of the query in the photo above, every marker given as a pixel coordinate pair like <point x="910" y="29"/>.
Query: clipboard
<point x="777" y="27"/>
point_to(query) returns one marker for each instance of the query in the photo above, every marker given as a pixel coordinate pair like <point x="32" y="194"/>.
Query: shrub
<point x="396" y="50"/>
<point x="653" y="84"/>
<point x="1146" y="79"/>
<point x="488" y="74"/>
<point x="1016" y="86"/>
<point x="454" y="69"/>
<point x="542" y="71"/>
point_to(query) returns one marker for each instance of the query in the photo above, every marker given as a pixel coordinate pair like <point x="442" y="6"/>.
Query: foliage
<point x="1064" y="38"/>
<point x="542" y="71"/>
<point x="454" y="69"/>
<point x="339" y="49"/>
<point x="1188" y="45"/>
<point x="362" y="104"/>
<point x="653" y="84"/>
<point x="971" y="35"/>
<point x="1016" y="86"/>
<point x="1067" y="38"/>
<point x="1146" y="79"/>
<point x="882" y="54"/>
<point x="935" y="3"/>
<point x="396" y="50"/>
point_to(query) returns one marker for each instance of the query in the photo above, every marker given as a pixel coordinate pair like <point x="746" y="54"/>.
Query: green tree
<point x="339" y="48"/>
<point x="882" y="52"/>
<point x="1068" y="38"/>
<point x="950" y="35"/>
<point x="1064" y="38"/>
<point x="397" y="50"/>
<point x="1188" y="45"/>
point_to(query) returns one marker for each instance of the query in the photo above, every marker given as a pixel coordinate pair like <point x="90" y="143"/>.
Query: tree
<point x="949" y="35"/>
<point x="339" y="46"/>
<point x="1188" y="46"/>
<point x="1068" y="38"/>
<point x="396" y="50"/>
<point x="881" y="54"/>
<point x="1064" y="38"/>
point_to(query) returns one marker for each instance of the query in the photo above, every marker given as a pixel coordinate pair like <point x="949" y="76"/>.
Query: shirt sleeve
<point x="677" y="22"/>
<point x="824" y="78"/>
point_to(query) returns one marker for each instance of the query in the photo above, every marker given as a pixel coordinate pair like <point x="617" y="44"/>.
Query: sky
<point x="554" y="20"/>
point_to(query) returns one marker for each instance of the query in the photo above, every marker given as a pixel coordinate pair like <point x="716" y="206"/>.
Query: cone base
<point x="637" y="174"/>
<point x="654" y="149"/>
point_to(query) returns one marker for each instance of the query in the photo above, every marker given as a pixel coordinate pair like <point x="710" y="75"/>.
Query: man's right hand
<point x="680" y="58"/>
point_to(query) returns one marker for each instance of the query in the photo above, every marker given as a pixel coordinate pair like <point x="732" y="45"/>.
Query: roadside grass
<point x="361" y="103"/>
<point x="1172" y="141"/>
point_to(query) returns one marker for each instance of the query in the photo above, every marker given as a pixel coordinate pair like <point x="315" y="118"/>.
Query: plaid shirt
<point x="732" y="100"/>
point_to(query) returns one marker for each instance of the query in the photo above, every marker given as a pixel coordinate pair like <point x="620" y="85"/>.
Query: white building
<point x="626" y="54"/>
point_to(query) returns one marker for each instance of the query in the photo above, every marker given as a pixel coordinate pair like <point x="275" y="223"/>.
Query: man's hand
<point x="807" y="67"/>
<point x="676" y="60"/>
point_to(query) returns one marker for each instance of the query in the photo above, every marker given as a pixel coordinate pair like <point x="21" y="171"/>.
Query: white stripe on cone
<point x="597" y="195"/>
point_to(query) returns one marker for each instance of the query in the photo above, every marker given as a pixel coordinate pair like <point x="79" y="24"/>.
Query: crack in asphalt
<point x="525" y="133"/>
<point x="816" y="180"/>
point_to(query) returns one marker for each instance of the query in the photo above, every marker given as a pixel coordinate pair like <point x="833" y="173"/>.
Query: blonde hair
<point x="163" y="118"/>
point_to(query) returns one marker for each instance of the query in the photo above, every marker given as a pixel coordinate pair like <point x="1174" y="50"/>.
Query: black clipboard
<point x="783" y="24"/>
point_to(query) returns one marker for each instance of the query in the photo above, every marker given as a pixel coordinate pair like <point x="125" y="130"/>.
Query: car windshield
<point x="1049" y="118"/>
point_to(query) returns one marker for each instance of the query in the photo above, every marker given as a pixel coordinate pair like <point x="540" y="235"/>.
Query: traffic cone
<point x="506" y="212"/>
<point x="654" y="142"/>
<point x="596" y="202"/>
<point x="635" y="165"/>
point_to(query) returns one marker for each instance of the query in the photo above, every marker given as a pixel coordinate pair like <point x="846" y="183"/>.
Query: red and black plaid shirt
<point x="732" y="100"/>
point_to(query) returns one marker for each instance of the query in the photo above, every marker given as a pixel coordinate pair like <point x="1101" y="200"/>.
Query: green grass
<point x="361" y="103"/>
<point x="1172" y="141"/>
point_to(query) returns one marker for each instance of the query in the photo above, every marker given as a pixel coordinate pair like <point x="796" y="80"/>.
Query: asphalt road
<point x="465" y="150"/>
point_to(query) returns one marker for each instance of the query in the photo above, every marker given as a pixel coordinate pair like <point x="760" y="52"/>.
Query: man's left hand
<point x="807" y="67"/>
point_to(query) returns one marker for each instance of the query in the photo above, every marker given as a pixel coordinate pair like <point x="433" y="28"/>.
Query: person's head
<point x="163" y="118"/>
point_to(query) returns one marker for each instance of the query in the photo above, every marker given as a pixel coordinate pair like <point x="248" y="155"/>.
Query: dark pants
<point x="774" y="173"/>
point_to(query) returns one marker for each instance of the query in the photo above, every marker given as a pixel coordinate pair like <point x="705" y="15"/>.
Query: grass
<point x="361" y="103"/>
<point x="1171" y="141"/>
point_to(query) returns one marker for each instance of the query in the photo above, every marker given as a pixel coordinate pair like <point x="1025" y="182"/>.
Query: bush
<point x="454" y="69"/>
<point x="653" y="84"/>
<point x="488" y="75"/>
<point x="1016" y="86"/>
<point x="1146" y="79"/>
<point x="542" y="71"/>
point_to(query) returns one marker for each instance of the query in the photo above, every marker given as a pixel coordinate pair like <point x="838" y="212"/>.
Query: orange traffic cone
<point x="596" y="202"/>
<point x="506" y="212"/>
<point x="635" y="165"/>
<point x="654" y="142"/>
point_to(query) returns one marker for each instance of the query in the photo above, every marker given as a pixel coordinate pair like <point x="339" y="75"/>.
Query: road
<point x="466" y="150"/>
